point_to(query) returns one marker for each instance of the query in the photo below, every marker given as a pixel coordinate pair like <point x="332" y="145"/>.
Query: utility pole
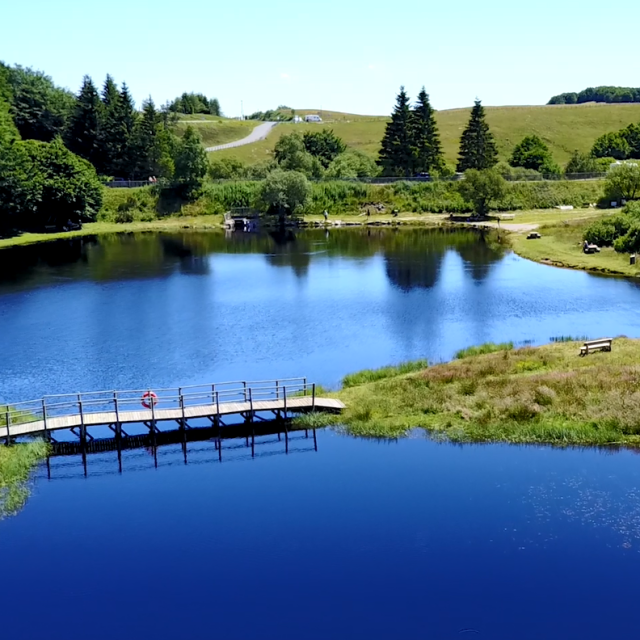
<point x="241" y="110"/>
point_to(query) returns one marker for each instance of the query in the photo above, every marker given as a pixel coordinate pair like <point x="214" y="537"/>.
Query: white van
<point x="314" y="117"/>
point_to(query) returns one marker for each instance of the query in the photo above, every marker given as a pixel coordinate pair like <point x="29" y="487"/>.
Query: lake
<point x="341" y="538"/>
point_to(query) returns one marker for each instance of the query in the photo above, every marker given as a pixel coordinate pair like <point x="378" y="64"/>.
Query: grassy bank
<point x="560" y="245"/>
<point x="16" y="464"/>
<point x="545" y="394"/>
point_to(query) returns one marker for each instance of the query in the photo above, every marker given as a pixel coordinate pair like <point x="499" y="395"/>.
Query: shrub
<point x="605" y="232"/>
<point x="630" y="241"/>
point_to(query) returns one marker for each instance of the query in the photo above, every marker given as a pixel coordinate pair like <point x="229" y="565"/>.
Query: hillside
<point x="563" y="127"/>
<point x="215" y="130"/>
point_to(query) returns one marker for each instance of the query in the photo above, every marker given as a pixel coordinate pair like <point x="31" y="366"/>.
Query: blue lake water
<point x="341" y="538"/>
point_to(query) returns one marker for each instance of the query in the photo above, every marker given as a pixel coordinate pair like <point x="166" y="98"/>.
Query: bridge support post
<point x="8" y="423"/>
<point x="83" y="428"/>
<point x="153" y="413"/>
<point x="117" y="411"/>
<point x="44" y="419"/>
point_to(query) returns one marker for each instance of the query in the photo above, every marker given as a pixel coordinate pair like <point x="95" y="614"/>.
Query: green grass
<point x="561" y="245"/>
<point x="563" y="127"/>
<point x="487" y="347"/>
<point x="372" y="375"/>
<point x="16" y="464"/>
<point x="545" y="394"/>
<point x="215" y="131"/>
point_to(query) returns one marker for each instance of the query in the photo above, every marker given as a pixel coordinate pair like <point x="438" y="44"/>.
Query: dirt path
<point x="259" y="133"/>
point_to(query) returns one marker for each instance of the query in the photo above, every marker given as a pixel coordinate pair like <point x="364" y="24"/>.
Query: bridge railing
<point x="82" y="404"/>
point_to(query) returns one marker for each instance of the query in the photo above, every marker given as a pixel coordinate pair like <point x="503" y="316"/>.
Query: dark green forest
<point x="56" y="148"/>
<point x="598" y="94"/>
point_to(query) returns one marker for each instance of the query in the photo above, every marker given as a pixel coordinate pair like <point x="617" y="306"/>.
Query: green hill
<point x="563" y="127"/>
<point x="215" y="130"/>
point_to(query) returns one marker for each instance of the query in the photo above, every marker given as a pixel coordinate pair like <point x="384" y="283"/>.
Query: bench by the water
<point x="590" y="248"/>
<point x="149" y="407"/>
<point x="604" y="344"/>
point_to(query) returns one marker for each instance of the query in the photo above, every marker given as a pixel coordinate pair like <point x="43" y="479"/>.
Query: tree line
<point x="411" y="143"/>
<point x="598" y="94"/>
<point x="194" y="103"/>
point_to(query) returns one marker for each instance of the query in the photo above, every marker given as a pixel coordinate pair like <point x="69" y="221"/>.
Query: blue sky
<point x="347" y="55"/>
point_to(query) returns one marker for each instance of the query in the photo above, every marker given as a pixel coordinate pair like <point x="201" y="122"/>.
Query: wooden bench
<point x="604" y="344"/>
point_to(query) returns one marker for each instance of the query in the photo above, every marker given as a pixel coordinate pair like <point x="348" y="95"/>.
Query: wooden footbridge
<point x="113" y="409"/>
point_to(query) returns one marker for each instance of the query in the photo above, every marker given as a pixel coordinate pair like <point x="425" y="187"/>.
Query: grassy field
<point x="214" y="130"/>
<point x="560" y="245"/>
<point x="545" y="394"/>
<point x="16" y="464"/>
<point x="563" y="127"/>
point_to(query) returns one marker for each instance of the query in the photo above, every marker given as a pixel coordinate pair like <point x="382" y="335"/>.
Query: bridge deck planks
<point x="159" y="415"/>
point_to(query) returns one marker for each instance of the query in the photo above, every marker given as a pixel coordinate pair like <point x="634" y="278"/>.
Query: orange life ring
<point x="145" y="398"/>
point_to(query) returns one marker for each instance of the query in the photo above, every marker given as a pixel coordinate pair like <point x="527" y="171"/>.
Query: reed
<point x="16" y="464"/>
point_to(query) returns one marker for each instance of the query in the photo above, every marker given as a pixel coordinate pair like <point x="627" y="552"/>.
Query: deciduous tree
<point x="482" y="189"/>
<point x="284" y="192"/>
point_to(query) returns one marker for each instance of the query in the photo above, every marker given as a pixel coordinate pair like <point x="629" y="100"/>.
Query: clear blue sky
<point x="347" y="55"/>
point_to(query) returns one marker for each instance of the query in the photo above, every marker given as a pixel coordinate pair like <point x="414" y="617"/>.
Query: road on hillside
<point x="259" y="133"/>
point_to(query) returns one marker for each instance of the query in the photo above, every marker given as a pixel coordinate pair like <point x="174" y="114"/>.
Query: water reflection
<point x="413" y="257"/>
<point x="193" y="445"/>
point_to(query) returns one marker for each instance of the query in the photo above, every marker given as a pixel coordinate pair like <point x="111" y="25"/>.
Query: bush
<point x="581" y="163"/>
<point x="533" y="153"/>
<point x="227" y="169"/>
<point x="630" y="241"/>
<point x="605" y="232"/>
<point x="283" y="192"/>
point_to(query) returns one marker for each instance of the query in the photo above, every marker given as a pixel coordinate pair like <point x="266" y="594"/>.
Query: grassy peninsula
<point x="496" y="393"/>
<point x="16" y="464"/>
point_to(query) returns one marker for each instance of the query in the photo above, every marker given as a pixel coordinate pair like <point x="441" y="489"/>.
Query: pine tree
<point x="214" y="107"/>
<point x="425" y="137"/>
<point x="191" y="163"/>
<point x="83" y="131"/>
<point x="477" y="146"/>
<point x="110" y="135"/>
<point x="153" y="144"/>
<point x="127" y="118"/>
<point x="396" y="154"/>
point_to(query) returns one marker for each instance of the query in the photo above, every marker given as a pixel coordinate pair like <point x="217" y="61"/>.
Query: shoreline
<point x="552" y="249"/>
<point x="496" y="393"/>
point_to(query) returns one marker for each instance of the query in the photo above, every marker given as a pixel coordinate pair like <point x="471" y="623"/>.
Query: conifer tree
<point x="477" y="146"/>
<point x="396" y="154"/>
<point x="82" y="135"/>
<point x="425" y="137"/>
<point x="191" y="163"/>
<point x="152" y="143"/>
<point x="127" y="118"/>
<point x="214" y="107"/>
<point x="110" y="136"/>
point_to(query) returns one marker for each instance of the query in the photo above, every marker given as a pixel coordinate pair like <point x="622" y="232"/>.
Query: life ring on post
<point x="146" y="398"/>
